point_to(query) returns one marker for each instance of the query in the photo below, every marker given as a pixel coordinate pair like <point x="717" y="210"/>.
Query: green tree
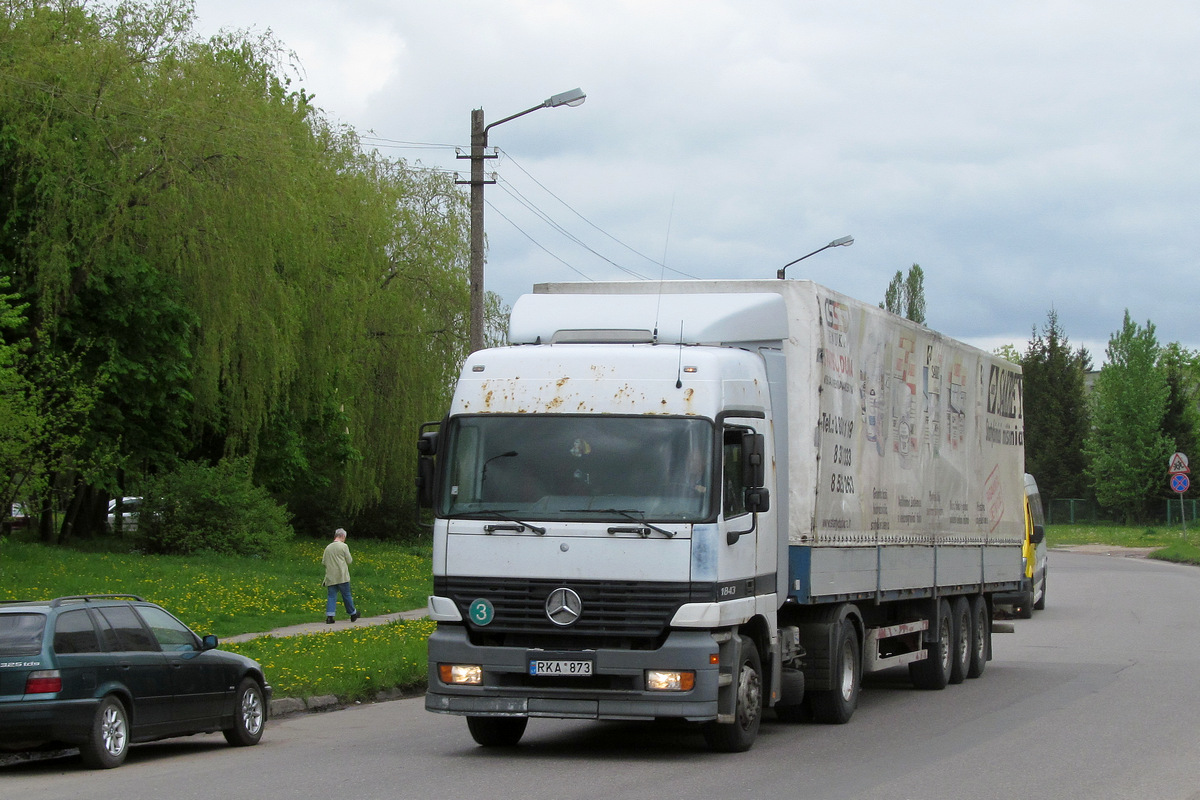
<point x="1127" y="449"/>
<point x="1008" y="352"/>
<point x="224" y="266"/>
<point x="1056" y="411"/>
<point x="905" y="295"/>
<point x="1181" y="422"/>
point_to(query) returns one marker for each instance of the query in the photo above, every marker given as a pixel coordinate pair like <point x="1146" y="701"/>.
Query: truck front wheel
<point x="497" y="731"/>
<point x="739" y="735"/>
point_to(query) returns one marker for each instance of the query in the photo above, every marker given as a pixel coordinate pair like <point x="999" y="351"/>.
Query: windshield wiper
<point x="642" y="531"/>
<point x="520" y="526"/>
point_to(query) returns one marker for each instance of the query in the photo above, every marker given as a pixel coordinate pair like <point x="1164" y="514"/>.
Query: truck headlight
<point x="461" y="674"/>
<point x="660" y="680"/>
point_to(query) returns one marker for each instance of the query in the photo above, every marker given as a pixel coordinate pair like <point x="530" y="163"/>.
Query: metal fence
<point x="1075" y="511"/>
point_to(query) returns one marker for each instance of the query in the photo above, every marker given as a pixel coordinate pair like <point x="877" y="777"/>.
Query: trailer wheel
<point x="835" y="706"/>
<point x="933" y="672"/>
<point x="981" y="630"/>
<point x="738" y="736"/>
<point x="960" y="612"/>
<point x="497" y="731"/>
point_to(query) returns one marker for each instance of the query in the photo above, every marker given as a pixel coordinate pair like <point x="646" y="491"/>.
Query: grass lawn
<point x="1172" y="544"/>
<point x="353" y="663"/>
<point x="229" y="595"/>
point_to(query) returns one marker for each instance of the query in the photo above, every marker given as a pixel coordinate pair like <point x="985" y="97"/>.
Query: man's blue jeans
<point x="347" y="600"/>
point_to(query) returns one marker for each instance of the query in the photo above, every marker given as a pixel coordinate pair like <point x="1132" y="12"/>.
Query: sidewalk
<point x="321" y="626"/>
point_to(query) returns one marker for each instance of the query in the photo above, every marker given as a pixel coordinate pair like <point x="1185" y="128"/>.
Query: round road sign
<point x="1179" y="483"/>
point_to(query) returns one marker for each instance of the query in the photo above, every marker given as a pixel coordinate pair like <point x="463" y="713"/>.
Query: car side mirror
<point x="1039" y="534"/>
<point x="208" y="643"/>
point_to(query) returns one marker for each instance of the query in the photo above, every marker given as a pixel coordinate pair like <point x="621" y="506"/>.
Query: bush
<point x="202" y="509"/>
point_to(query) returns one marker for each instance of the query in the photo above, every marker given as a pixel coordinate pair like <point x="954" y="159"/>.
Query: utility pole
<point x="478" y="146"/>
<point x="479" y="137"/>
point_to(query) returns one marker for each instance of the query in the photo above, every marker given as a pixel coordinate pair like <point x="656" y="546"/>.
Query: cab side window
<point x="75" y="633"/>
<point x="733" y="493"/>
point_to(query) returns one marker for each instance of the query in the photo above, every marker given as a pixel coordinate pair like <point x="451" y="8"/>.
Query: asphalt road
<point x="1096" y="697"/>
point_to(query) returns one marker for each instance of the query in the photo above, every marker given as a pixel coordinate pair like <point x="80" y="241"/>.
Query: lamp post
<point x="479" y="134"/>
<point x="845" y="241"/>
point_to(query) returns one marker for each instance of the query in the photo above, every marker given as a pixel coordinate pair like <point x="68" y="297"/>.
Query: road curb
<point x="291" y="706"/>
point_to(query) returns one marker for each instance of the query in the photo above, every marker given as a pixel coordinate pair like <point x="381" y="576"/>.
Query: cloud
<point x="1027" y="155"/>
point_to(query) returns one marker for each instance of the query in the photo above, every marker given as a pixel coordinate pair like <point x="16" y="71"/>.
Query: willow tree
<point x="230" y="267"/>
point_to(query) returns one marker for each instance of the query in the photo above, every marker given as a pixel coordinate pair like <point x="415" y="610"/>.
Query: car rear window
<point x="21" y="634"/>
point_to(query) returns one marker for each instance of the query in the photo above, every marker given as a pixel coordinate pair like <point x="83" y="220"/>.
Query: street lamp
<point x="845" y="241"/>
<point x="479" y="133"/>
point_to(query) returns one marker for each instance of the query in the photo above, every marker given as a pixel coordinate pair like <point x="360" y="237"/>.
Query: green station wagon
<point x="103" y="671"/>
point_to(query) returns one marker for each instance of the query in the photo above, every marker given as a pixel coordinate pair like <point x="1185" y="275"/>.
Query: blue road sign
<point x="1179" y="483"/>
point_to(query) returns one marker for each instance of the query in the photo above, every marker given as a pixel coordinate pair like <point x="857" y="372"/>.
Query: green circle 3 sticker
<point x="481" y="612"/>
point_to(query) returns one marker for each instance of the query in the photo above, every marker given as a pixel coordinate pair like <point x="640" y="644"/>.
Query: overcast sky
<point x="1028" y="155"/>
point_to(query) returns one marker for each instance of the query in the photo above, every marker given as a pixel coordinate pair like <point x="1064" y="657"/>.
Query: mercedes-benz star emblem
<point x="563" y="607"/>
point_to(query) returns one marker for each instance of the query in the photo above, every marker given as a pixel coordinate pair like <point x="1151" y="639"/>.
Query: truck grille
<point x="611" y="609"/>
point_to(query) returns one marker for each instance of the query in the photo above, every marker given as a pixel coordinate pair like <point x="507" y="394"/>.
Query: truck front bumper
<point x="616" y="689"/>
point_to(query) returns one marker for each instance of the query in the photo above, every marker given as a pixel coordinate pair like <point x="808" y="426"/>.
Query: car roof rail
<point x="85" y="598"/>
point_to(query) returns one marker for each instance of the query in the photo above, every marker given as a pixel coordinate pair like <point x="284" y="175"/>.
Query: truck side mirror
<point x="1039" y="534"/>
<point x="427" y="446"/>
<point x="758" y="500"/>
<point x="754" y="461"/>
<point x="425" y="477"/>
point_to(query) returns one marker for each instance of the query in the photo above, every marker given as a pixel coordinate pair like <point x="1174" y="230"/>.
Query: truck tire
<point x="738" y="736"/>
<point x="497" y="731"/>
<point x="791" y="705"/>
<point x="981" y="631"/>
<point x="933" y="672"/>
<point x="835" y="706"/>
<point x="960" y="613"/>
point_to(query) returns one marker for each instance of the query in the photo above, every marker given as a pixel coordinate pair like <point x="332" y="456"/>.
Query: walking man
<point x="337" y="560"/>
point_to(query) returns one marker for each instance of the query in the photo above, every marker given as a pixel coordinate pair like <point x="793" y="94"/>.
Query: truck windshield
<point x="579" y="468"/>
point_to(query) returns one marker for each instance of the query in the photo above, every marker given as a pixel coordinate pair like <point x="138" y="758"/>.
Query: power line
<point x="542" y="215"/>
<point x="592" y="224"/>
<point x="577" y="271"/>
<point x="401" y="144"/>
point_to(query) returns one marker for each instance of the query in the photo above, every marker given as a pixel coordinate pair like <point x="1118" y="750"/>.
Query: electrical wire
<point x="574" y="269"/>
<point x="568" y="206"/>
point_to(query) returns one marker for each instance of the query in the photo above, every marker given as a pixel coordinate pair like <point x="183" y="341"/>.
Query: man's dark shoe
<point x="354" y="617"/>
<point x="329" y="620"/>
